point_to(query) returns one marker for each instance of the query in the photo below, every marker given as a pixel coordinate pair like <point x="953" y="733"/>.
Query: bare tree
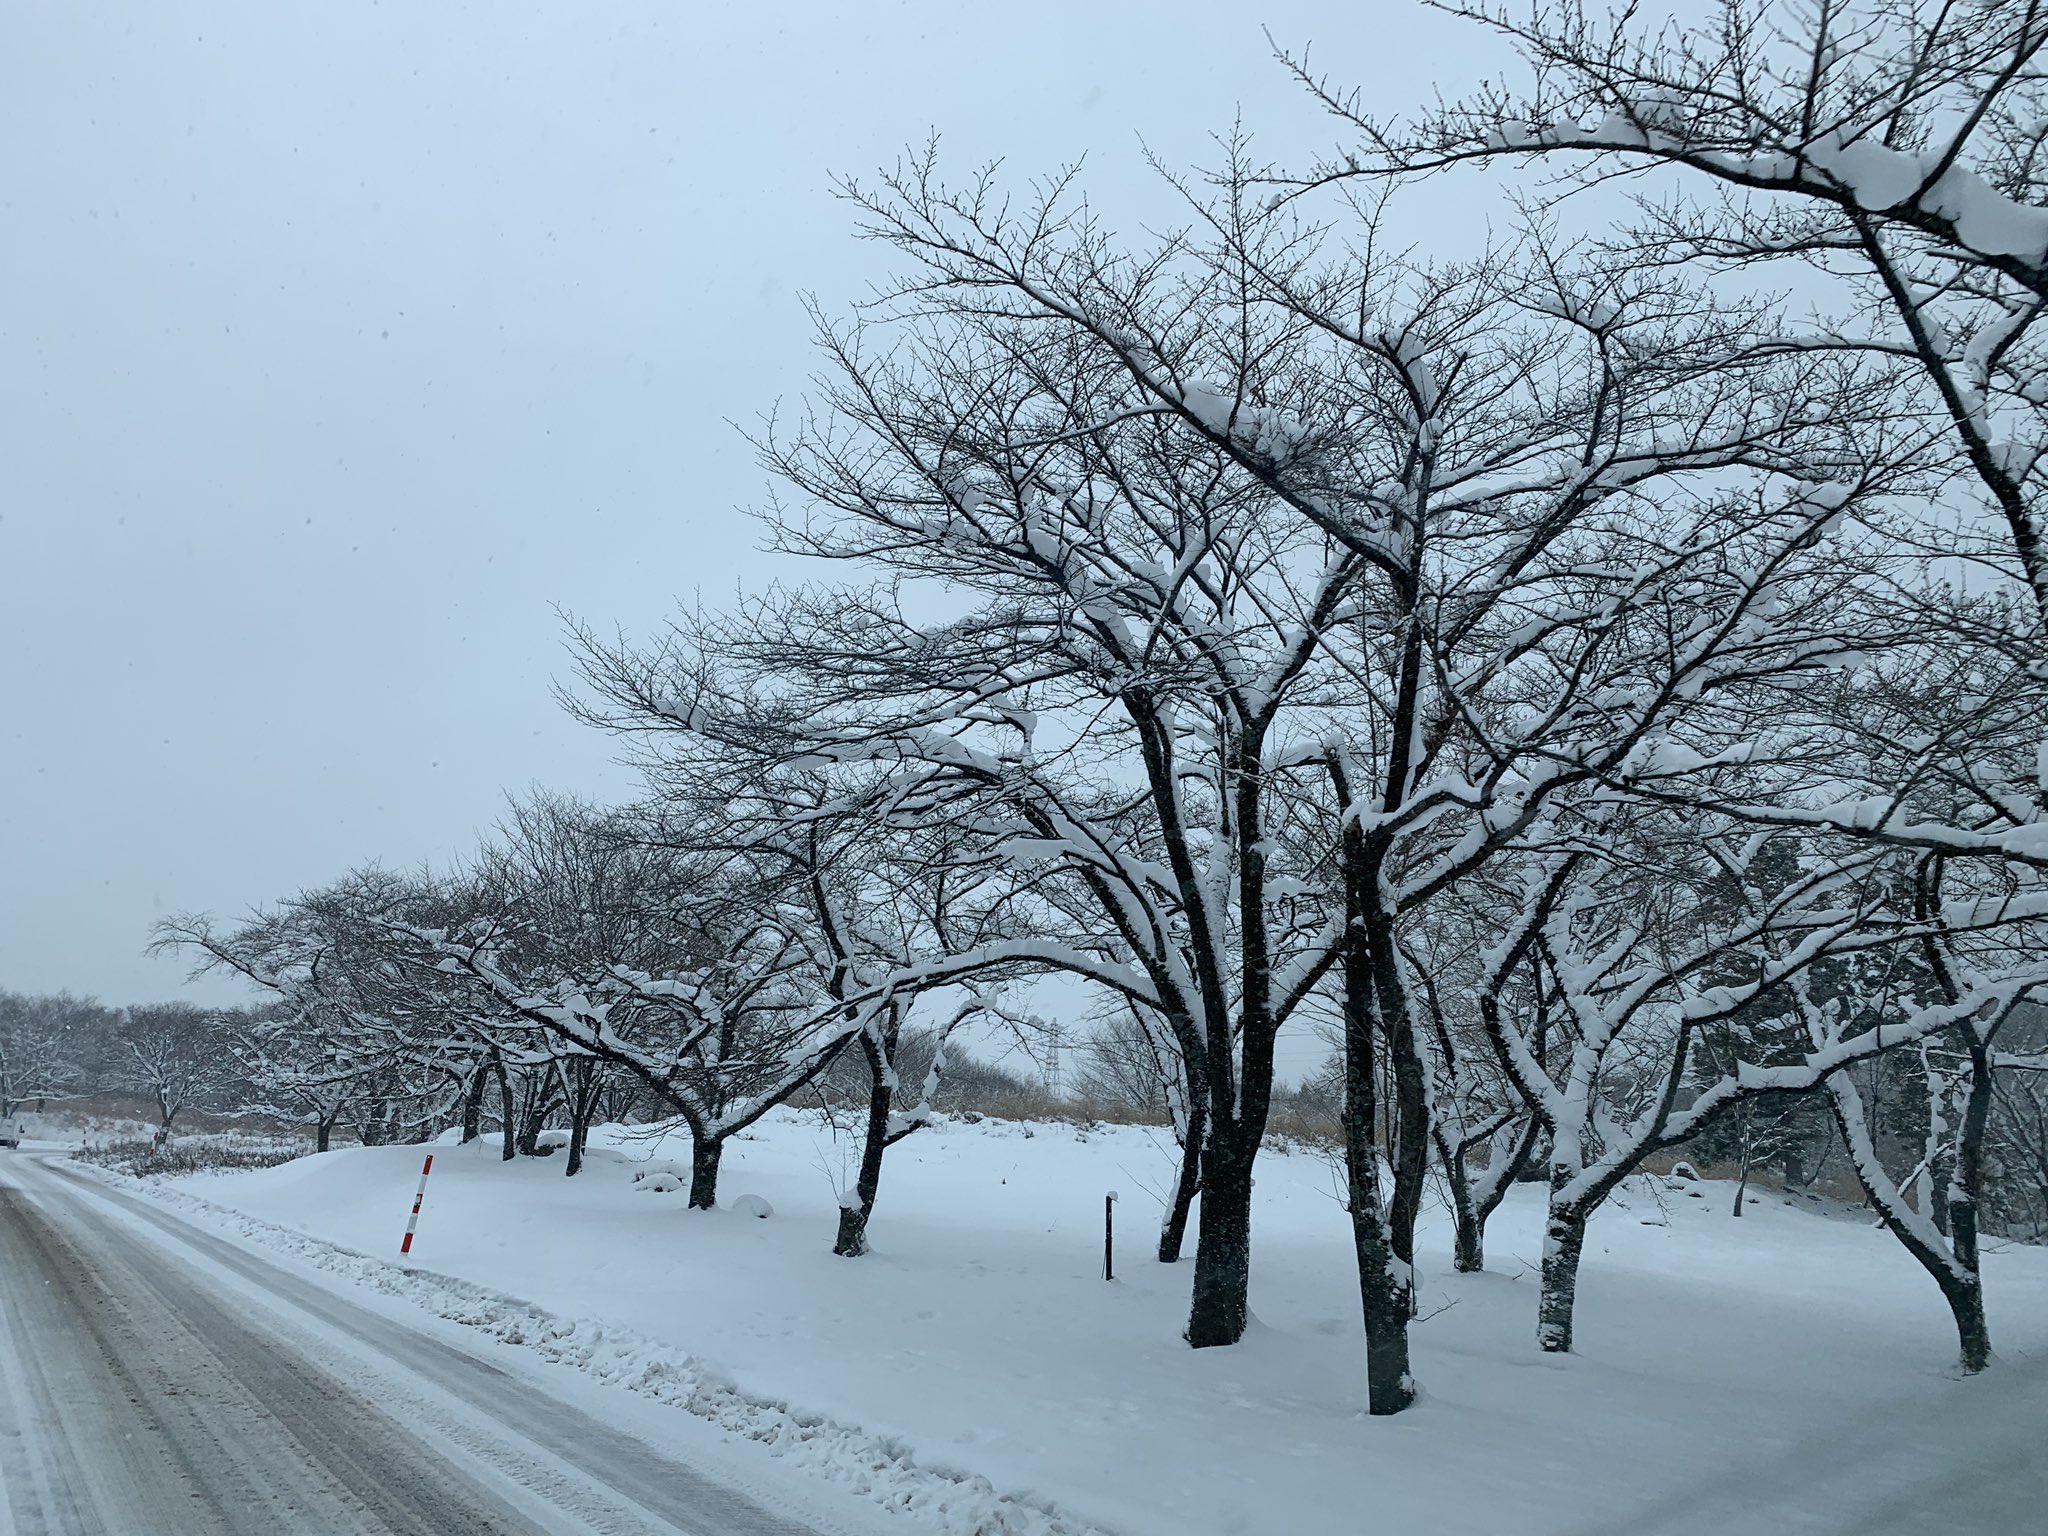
<point x="1894" y="148"/>
<point x="1475" y="1106"/>
<point x="877" y="905"/>
<point x="305" y="1059"/>
<point x="41" y="1040"/>
<point x="178" y="1055"/>
<point x="690" y="979"/>
<point x="1633" y="974"/>
<point x="352" y="1037"/>
<point x="1144" y="846"/>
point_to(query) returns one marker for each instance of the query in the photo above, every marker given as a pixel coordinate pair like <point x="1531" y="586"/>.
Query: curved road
<point x="156" y="1380"/>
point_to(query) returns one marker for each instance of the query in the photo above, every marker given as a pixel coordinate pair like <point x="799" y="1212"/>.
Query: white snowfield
<point x="1788" y="1372"/>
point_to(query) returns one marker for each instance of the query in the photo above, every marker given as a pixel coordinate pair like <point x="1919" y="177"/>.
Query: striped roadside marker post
<point x="417" y="1200"/>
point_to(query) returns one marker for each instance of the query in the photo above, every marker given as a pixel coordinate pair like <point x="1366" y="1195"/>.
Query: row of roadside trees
<point x="1606" y="697"/>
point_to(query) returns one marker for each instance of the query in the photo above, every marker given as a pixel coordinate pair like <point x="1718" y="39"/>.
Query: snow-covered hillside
<point x="1788" y="1371"/>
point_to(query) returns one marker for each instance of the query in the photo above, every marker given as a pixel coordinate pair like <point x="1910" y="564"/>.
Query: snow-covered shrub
<point x="194" y="1154"/>
<point x="661" y="1178"/>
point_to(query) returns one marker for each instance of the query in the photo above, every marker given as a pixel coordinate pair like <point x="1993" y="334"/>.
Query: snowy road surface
<point x="156" y="1380"/>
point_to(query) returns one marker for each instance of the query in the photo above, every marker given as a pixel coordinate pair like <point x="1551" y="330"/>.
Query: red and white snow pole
<point x="417" y="1200"/>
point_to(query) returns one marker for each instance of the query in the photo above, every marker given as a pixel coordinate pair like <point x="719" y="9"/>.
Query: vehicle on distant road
<point x="10" y="1133"/>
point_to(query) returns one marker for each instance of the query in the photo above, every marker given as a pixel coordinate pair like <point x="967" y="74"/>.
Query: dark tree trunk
<point x="473" y="1106"/>
<point x="1174" y="1230"/>
<point x="1468" y="1243"/>
<point x="1381" y="1003"/>
<point x="1954" y="1270"/>
<point x="1966" y="1301"/>
<point x="1386" y="1298"/>
<point x="1385" y="1280"/>
<point x="506" y="1112"/>
<point x="1742" y="1176"/>
<point x="532" y="1122"/>
<point x="855" y="1209"/>
<point x="1409" y="1130"/>
<point x="1385" y="1285"/>
<point x="580" y="1087"/>
<point x="1220" y="1307"/>
<point x="1564" y="1239"/>
<point x="1473" y="1208"/>
<point x="323" y="1135"/>
<point x="704" y="1155"/>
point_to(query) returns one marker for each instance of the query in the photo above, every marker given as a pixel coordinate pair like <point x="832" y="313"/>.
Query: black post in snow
<point x="1109" y="1236"/>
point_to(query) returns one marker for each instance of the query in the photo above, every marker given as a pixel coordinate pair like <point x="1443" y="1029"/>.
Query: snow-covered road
<point x="157" y="1380"/>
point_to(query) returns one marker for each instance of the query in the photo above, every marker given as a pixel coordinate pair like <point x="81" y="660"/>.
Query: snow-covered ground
<point x="72" y="1127"/>
<point x="1790" y="1371"/>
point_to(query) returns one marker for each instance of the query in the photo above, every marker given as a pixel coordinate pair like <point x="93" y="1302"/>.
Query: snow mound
<point x="661" y="1178"/>
<point x="752" y="1205"/>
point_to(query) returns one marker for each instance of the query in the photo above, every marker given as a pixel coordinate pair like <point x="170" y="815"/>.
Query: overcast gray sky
<point x="340" y="343"/>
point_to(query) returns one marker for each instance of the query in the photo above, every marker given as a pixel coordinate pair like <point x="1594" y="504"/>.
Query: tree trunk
<point x="1471" y="1206"/>
<point x="1742" y="1178"/>
<point x="1223" y="1242"/>
<point x="579" y="1088"/>
<point x="855" y="1208"/>
<point x="1174" y="1230"/>
<point x="1966" y="1301"/>
<point x="1564" y="1238"/>
<point x="505" y="1110"/>
<point x="473" y="1106"/>
<point x="1385" y="1281"/>
<point x="704" y="1155"/>
<point x="323" y="1133"/>
<point x="1409" y="1131"/>
<point x="532" y="1121"/>
<point x="1502" y="1164"/>
<point x="1954" y="1264"/>
<point x="1973" y="1329"/>
<point x="1468" y="1243"/>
